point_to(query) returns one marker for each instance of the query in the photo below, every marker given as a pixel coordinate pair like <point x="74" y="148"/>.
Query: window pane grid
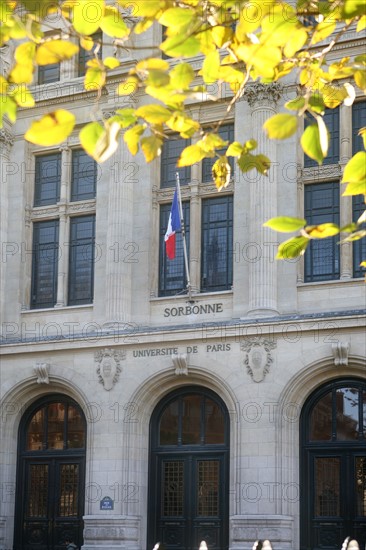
<point x="172" y="276"/>
<point x="358" y="122"/>
<point x="47" y="179"/>
<point x="83" y="177"/>
<point x="226" y="132"/>
<point x="170" y="154"/>
<point x="208" y="488"/>
<point x="81" y="260"/>
<point x="45" y="261"/>
<point x="48" y="73"/>
<point x="322" y="256"/>
<point x="173" y="488"/>
<point x="359" y="247"/>
<point x="86" y="55"/>
<point x="217" y="244"/>
<point x="331" y="120"/>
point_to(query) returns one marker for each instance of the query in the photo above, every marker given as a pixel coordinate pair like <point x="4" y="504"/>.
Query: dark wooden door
<point x="188" y="489"/>
<point x="190" y="501"/>
<point x="333" y="467"/>
<point x="51" y="476"/>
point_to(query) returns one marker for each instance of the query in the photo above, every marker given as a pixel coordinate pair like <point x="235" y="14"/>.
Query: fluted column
<point x="345" y="126"/>
<point x="263" y="205"/>
<point x="7" y="169"/>
<point x="121" y="249"/>
<point x="195" y="237"/>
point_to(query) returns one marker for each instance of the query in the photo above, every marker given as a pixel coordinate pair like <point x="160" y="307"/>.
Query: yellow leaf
<point x="87" y="16"/>
<point x="151" y="147"/>
<point x="25" y="53"/>
<point x="221" y="172"/>
<point x="55" y="51"/>
<point x="51" y="129"/>
<point x="132" y="138"/>
<point x="190" y="155"/>
<point x="129" y="86"/>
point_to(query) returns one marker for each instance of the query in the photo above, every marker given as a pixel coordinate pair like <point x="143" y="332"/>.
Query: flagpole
<point x="189" y="288"/>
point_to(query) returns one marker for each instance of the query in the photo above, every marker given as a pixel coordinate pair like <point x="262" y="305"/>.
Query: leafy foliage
<point x="239" y="40"/>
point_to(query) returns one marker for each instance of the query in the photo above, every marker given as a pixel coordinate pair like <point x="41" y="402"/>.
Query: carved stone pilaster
<point x="42" y="370"/>
<point x="340" y="352"/>
<point x="262" y="94"/>
<point x="109" y="366"/>
<point x="258" y="357"/>
<point x="6" y="142"/>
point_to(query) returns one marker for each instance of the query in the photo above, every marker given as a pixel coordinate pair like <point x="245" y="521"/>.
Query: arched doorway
<point x="50" y="475"/>
<point x="189" y="468"/>
<point x="333" y="465"/>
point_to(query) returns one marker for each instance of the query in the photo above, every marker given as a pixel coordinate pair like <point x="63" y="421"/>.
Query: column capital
<point x="6" y="140"/>
<point x="257" y="93"/>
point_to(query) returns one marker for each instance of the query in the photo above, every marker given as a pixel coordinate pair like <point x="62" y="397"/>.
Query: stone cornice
<point x="321" y="173"/>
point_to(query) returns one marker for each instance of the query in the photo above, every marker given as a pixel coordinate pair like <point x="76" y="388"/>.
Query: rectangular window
<point x="83" y="177"/>
<point x="44" y="266"/>
<point x="226" y="132"/>
<point x="47" y="179"/>
<point x="172" y="274"/>
<point x="217" y="244"/>
<point x="86" y="55"/>
<point x="81" y="260"/>
<point x="358" y="122"/>
<point x="48" y="73"/>
<point x="331" y="119"/>
<point x="172" y="148"/>
<point x="359" y="247"/>
<point x="322" y="256"/>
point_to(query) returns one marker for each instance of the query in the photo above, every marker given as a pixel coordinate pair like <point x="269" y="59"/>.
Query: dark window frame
<point x="46" y="72"/>
<point x="226" y="223"/>
<point x="207" y="163"/>
<point x="39" y="261"/>
<point x="77" y="253"/>
<point x="332" y="121"/>
<point x="169" y="159"/>
<point x="86" y="55"/>
<point x="329" y="213"/>
<point x="44" y="194"/>
<point x="178" y="262"/>
<point x="77" y="176"/>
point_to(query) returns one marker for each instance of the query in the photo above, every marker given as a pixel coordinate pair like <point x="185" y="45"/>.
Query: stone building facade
<point x="130" y="414"/>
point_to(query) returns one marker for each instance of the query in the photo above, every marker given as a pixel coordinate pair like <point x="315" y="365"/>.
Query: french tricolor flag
<point x="173" y="226"/>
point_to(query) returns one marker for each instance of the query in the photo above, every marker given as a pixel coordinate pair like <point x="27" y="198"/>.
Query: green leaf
<point x="310" y="142"/>
<point x="181" y="76"/>
<point x="90" y="135"/>
<point x="221" y="172"/>
<point x="323" y="135"/>
<point x="182" y="124"/>
<point x="322" y="231"/>
<point x="360" y="79"/>
<point x="355" y="188"/>
<point x="177" y="46"/>
<point x="151" y="147"/>
<point x="126" y="117"/>
<point x="55" y="51"/>
<point x="281" y="126"/>
<point x="355" y="169"/>
<point x="113" y="23"/>
<point x="295" y="104"/>
<point x="190" y="155"/>
<point x="95" y="75"/>
<point x="247" y="162"/>
<point x="285" y="224"/>
<point x="177" y="17"/>
<point x="154" y="114"/>
<point x="107" y="143"/>
<point x="51" y="129"/>
<point x="157" y="78"/>
<point x="87" y="16"/>
<point x="8" y="107"/>
<point x="292" y="248"/>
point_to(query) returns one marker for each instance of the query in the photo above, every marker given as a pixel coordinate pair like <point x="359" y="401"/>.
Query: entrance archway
<point x="50" y="475"/>
<point x="189" y="469"/>
<point x="333" y="465"/>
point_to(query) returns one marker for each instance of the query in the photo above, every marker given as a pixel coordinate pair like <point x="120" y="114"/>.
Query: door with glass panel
<point x="333" y="469"/>
<point x="51" y="473"/>
<point x="188" y="491"/>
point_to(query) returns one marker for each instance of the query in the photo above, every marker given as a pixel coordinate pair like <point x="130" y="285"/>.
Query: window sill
<point x="334" y="282"/>
<point x="195" y="296"/>
<point x="56" y="309"/>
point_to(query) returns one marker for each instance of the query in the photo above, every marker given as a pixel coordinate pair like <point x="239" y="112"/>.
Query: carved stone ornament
<point x="109" y="368"/>
<point x="180" y="364"/>
<point x="340" y="353"/>
<point x="258" y="357"/>
<point x="265" y="94"/>
<point x="42" y="371"/>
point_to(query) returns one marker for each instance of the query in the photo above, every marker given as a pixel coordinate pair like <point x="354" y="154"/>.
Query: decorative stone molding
<point x="262" y="93"/>
<point x="109" y="367"/>
<point x="340" y="352"/>
<point x="258" y="357"/>
<point x="180" y="363"/>
<point x="42" y="371"/>
<point x="112" y="531"/>
<point x="6" y="137"/>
